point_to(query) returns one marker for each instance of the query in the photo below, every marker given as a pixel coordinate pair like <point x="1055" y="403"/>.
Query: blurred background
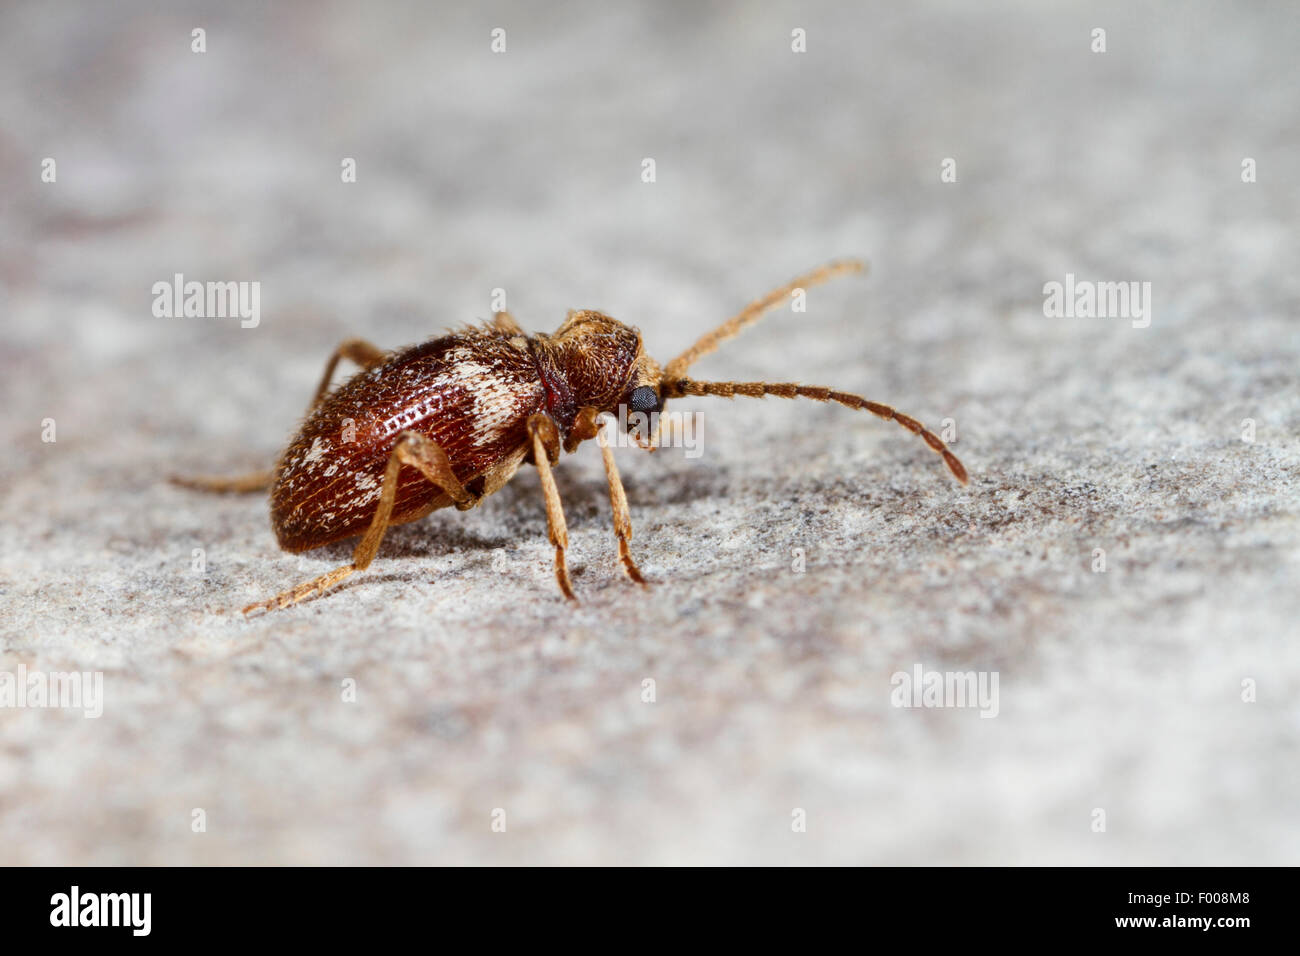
<point x="782" y="135"/>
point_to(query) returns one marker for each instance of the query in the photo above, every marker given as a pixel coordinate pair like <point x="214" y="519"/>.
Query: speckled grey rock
<point x="476" y="687"/>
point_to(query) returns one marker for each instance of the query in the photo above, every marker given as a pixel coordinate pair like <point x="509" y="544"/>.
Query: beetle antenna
<point x="755" y="311"/>
<point x="818" y="393"/>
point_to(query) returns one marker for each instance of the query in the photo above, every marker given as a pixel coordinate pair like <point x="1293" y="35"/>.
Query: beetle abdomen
<point x="471" y="392"/>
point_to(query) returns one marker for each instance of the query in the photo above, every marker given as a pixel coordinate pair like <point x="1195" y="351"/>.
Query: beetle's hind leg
<point x="411" y="449"/>
<point x="235" y="485"/>
<point x="357" y="350"/>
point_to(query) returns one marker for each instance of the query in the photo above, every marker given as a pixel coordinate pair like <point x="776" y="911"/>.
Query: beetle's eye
<point x="643" y="399"/>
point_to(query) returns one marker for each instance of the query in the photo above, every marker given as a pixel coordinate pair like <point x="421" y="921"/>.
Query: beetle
<point x="449" y="422"/>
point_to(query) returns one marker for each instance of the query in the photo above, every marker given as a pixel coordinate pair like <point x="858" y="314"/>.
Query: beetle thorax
<point x="595" y="356"/>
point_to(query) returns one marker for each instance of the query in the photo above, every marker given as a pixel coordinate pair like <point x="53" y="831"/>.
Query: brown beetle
<point x="450" y="421"/>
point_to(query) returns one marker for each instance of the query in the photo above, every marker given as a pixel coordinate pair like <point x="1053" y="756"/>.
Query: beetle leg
<point x="412" y="449"/>
<point x="546" y="449"/>
<point x="618" y="503"/>
<point x="359" y="351"/>
<point x="589" y="424"/>
<point x="238" y="485"/>
<point x="585" y="425"/>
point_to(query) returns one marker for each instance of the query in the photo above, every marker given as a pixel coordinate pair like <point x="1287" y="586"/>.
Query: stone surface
<point x="477" y="687"/>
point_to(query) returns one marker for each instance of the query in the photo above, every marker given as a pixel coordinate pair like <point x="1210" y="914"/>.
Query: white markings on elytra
<point x="460" y="369"/>
<point x="493" y="413"/>
<point x="318" y="448"/>
<point x="493" y="402"/>
<point x="468" y="380"/>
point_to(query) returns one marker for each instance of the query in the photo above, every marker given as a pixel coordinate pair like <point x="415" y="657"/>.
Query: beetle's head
<point x="607" y="367"/>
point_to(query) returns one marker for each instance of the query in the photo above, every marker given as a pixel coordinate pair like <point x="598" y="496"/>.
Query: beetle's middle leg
<point x="412" y="449"/>
<point x="359" y="351"/>
<point x="546" y="450"/>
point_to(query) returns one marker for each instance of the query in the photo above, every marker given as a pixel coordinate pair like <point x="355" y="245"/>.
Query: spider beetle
<point x="449" y="422"/>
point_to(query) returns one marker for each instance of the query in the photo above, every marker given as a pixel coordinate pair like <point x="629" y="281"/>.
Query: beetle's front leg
<point x="590" y="425"/>
<point x="545" y="436"/>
